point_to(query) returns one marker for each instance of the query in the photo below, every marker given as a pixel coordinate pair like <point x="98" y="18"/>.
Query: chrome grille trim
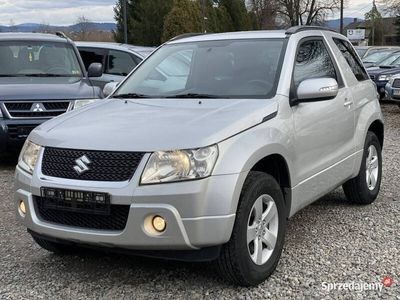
<point x="17" y="112"/>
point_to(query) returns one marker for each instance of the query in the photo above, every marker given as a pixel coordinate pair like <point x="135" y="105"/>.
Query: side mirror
<point x="318" y="89"/>
<point x="95" y="70"/>
<point x="109" y="88"/>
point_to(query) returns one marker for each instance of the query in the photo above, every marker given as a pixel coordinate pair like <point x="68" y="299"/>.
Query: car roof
<point x="141" y="50"/>
<point x="258" y="34"/>
<point x="22" y="36"/>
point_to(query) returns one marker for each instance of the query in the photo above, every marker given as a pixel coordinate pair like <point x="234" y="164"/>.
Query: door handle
<point x="347" y="102"/>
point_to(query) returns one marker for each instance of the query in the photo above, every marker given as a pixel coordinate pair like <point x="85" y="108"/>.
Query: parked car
<point x="383" y="74"/>
<point x="118" y="60"/>
<point x="209" y="165"/>
<point x="364" y="51"/>
<point x="392" y="89"/>
<point x="376" y="57"/>
<point x="41" y="76"/>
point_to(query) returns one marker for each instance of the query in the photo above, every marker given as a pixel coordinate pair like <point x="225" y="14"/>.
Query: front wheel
<point x="255" y="247"/>
<point x="364" y="188"/>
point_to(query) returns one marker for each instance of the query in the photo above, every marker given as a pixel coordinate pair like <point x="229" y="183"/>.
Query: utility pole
<point x="203" y="16"/>
<point x="125" y="23"/>
<point x="341" y="16"/>
<point x="373" y="22"/>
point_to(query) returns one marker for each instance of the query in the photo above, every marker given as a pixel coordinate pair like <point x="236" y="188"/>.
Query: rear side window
<point x="120" y="63"/>
<point x="92" y="55"/>
<point x="352" y="59"/>
<point x="313" y="61"/>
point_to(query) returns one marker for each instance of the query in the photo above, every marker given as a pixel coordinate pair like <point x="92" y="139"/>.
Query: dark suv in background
<point x="41" y="77"/>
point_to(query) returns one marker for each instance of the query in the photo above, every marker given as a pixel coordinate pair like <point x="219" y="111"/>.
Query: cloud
<point x="60" y="12"/>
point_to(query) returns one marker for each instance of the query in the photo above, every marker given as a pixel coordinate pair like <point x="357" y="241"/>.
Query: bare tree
<point x="83" y="28"/>
<point x="306" y="12"/>
<point x="265" y="12"/>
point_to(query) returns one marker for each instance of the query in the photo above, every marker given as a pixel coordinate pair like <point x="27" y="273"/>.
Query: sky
<point x="66" y="12"/>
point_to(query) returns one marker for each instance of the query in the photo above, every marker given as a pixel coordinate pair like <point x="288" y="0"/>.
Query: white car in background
<point x="118" y="60"/>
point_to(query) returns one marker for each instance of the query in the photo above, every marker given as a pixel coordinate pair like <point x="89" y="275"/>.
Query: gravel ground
<point x="330" y="241"/>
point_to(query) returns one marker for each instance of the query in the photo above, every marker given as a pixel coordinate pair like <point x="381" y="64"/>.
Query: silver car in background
<point x="118" y="60"/>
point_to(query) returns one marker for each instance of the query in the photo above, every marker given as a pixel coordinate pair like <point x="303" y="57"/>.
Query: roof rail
<point x="185" y="35"/>
<point x="297" y="29"/>
<point x="61" y="34"/>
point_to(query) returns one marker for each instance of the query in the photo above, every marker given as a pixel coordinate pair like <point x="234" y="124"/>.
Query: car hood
<point x="384" y="71"/>
<point x="25" y="88"/>
<point x="150" y="125"/>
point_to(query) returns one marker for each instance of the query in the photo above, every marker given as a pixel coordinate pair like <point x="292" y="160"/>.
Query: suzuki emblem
<point x="82" y="165"/>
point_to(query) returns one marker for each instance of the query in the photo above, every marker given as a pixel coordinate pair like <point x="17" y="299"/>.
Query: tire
<point x="358" y="190"/>
<point x="238" y="262"/>
<point x="57" y="248"/>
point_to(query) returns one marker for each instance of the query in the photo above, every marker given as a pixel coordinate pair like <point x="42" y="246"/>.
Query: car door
<point x="94" y="55"/>
<point x="324" y="129"/>
<point x="118" y="65"/>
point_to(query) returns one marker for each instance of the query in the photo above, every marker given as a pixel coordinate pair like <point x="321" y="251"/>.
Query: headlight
<point x="28" y="157"/>
<point x="83" y="102"/>
<point x="179" y="165"/>
<point x="385" y="77"/>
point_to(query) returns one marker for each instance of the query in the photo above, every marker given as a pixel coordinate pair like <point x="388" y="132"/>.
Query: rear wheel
<point x="364" y="188"/>
<point x="255" y="247"/>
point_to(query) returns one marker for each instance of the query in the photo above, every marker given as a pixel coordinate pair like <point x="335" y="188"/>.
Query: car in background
<point x="392" y="89"/>
<point x="41" y="76"/>
<point x="118" y="60"/>
<point x="373" y="59"/>
<point x="384" y="73"/>
<point x="364" y="51"/>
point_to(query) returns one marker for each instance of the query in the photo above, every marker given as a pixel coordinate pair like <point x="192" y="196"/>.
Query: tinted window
<point x="92" y="55"/>
<point x="352" y="59"/>
<point x="221" y="69"/>
<point x="120" y="63"/>
<point x="313" y="61"/>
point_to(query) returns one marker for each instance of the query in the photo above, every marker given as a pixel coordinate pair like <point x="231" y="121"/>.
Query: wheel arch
<point x="377" y="127"/>
<point x="276" y="166"/>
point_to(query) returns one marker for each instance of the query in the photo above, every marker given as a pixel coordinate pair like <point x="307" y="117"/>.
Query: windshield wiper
<point x="194" y="95"/>
<point x="130" y="96"/>
<point x="46" y="75"/>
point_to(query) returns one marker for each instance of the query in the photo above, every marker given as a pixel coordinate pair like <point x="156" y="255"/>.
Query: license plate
<point x="396" y="92"/>
<point x="74" y="200"/>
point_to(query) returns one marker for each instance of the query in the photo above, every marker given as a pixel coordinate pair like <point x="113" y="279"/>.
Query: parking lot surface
<point x="331" y="241"/>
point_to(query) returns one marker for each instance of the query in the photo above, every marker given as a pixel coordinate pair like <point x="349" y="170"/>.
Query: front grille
<point x="396" y="83"/>
<point x="116" y="220"/>
<point x="20" y="131"/>
<point x="103" y="166"/>
<point x="36" y="109"/>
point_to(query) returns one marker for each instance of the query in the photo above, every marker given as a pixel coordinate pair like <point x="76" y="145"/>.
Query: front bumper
<point x="198" y="213"/>
<point x="380" y="86"/>
<point x="392" y="93"/>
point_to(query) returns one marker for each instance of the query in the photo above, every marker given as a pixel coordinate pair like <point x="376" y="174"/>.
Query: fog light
<point x="159" y="223"/>
<point x="22" y="207"/>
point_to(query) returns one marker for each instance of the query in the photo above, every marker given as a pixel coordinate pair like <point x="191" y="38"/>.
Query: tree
<point x="373" y="20"/>
<point x="238" y="12"/>
<point x="83" y="26"/>
<point x="145" y="21"/>
<point x="264" y="13"/>
<point x="184" y="17"/>
<point x="305" y="12"/>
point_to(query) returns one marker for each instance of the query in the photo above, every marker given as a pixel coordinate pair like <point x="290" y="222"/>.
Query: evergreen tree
<point x="145" y="21"/>
<point x="184" y="17"/>
<point x="238" y="13"/>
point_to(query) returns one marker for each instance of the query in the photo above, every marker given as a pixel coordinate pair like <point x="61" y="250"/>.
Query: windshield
<point x="40" y="59"/>
<point x="211" y="69"/>
<point x="388" y="61"/>
<point x="377" y="56"/>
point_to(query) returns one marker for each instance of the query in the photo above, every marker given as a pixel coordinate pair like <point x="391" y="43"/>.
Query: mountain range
<point x="32" y="27"/>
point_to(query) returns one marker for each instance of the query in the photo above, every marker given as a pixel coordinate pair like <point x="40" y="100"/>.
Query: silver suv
<point x="206" y="150"/>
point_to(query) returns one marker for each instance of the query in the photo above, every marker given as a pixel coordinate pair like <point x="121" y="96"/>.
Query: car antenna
<point x="61" y="34"/>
